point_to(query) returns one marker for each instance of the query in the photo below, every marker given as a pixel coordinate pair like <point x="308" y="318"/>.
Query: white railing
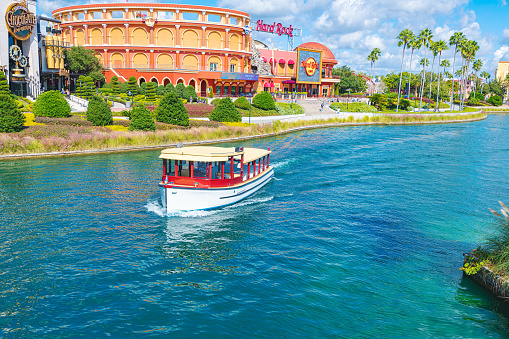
<point x="78" y="100"/>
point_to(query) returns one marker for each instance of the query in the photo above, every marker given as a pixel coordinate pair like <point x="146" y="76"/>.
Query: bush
<point x="160" y="90"/>
<point x="264" y="101"/>
<point x="141" y="119"/>
<point x="495" y="100"/>
<point x="353" y="107"/>
<point x="476" y="95"/>
<point x="241" y="103"/>
<point x="215" y="101"/>
<point x="473" y="101"/>
<point x="211" y="92"/>
<point x="143" y="88"/>
<point x="190" y="92"/>
<point x="73" y="120"/>
<point x="169" y="88"/>
<point x="286" y="108"/>
<point x="171" y="110"/>
<point x="11" y="119"/>
<point x="179" y="90"/>
<point x="150" y="91"/>
<point x="380" y="101"/>
<point x="404" y="104"/>
<point x="132" y="85"/>
<point x="4" y="86"/>
<point x="51" y="104"/>
<point x="99" y="112"/>
<point x="115" y="85"/>
<point x="225" y="111"/>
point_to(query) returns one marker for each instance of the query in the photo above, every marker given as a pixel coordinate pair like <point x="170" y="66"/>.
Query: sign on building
<point x="309" y="62"/>
<point x="20" y="21"/>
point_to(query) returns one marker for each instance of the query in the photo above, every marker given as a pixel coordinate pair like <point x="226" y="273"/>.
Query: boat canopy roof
<point x="211" y="153"/>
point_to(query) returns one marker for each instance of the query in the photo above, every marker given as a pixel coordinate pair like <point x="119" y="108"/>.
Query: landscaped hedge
<point x="215" y="101"/>
<point x="241" y="103"/>
<point x="353" y="107"/>
<point x="285" y="108"/>
<point x="171" y="110"/>
<point x="99" y="112"/>
<point x="51" y="104"/>
<point x="11" y="119"/>
<point x="73" y="120"/>
<point x="264" y="101"/>
<point x="225" y="111"/>
<point x="141" y="119"/>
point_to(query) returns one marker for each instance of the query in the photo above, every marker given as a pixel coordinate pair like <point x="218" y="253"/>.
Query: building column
<point x="225" y="63"/>
<point x="177" y="61"/>
<point x="151" y="36"/>
<point x="85" y="15"/>
<point x="71" y="33"/>
<point x="203" y="63"/>
<point x="126" y="42"/>
<point x="227" y="40"/>
<point x="151" y="59"/>
<point x="106" y="59"/>
<point x="86" y="35"/>
<point x="177" y="28"/>
<point x="203" y="40"/>
<point x="105" y="35"/>
<point x="127" y="59"/>
<point x="242" y="65"/>
<point x="243" y="47"/>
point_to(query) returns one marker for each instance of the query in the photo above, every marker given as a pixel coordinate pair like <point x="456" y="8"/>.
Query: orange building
<point x="207" y="47"/>
<point x="164" y="43"/>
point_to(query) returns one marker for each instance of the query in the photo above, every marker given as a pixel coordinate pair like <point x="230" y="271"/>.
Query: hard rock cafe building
<point x="207" y="47"/>
<point x="19" y="53"/>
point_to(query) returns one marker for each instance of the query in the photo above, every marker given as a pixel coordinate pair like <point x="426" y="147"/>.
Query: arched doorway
<point x="166" y="81"/>
<point x="142" y="80"/>
<point x="154" y="80"/>
<point x="180" y="81"/>
<point x="203" y="89"/>
<point x="192" y="83"/>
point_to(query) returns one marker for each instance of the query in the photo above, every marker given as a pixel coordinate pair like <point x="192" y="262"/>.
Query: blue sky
<point x="352" y="28"/>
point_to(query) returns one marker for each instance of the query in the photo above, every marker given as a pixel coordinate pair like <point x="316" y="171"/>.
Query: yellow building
<point x="501" y="72"/>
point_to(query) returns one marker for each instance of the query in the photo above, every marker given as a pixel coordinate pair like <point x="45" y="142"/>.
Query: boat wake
<point x="280" y="164"/>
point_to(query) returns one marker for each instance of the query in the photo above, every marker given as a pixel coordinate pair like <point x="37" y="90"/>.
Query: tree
<point x="115" y="85"/>
<point x="264" y="100"/>
<point x="468" y="51"/>
<point x="141" y="119"/>
<point x="455" y="40"/>
<point x="440" y="46"/>
<point x="413" y="44"/>
<point x="11" y="119"/>
<point x="99" y="112"/>
<point x="132" y="85"/>
<point x="477" y="67"/>
<point x="51" y="104"/>
<point x="169" y="88"/>
<point x="179" y="90"/>
<point x="496" y="87"/>
<point x="160" y="90"/>
<point x="190" y="92"/>
<point x="425" y="37"/>
<point x="404" y="37"/>
<point x="485" y="75"/>
<point x="356" y="83"/>
<point x="150" y="91"/>
<point x="376" y="53"/>
<point x="434" y="50"/>
<point x="171" y="110"/>
<point x="78" y="59"/>
<point x="225" y="111"/>
<point x="4" y="86"/>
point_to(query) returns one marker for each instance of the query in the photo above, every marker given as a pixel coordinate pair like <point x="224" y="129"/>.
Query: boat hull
<point x="189" y="199"/>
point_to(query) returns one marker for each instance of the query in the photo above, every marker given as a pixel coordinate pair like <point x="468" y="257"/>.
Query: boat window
<point x="200" y="169"/>
<point x="184" y="169"/>
<point x="170" y="169"/>
<point x="216" y="170"/>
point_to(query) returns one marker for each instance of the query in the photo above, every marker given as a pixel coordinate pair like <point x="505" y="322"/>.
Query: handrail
<point x="78" y="100"/>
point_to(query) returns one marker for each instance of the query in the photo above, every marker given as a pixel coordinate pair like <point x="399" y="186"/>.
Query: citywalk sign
<point x="20" y="21"/>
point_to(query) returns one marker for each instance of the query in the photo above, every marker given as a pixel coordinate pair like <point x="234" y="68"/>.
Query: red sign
<point x="279" y="29"/>
<point x="310" y="66"/>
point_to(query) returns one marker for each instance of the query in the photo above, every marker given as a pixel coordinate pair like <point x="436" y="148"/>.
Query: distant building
<point x="502" y="71"/>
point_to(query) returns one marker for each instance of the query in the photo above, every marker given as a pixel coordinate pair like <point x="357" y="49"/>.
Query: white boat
<point x="206" y="177"/>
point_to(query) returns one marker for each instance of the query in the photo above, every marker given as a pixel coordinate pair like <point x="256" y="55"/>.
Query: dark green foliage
<point x="171" y="110"/>
<point x="124" y="88"/>
<point x="190" y="92"/>
<point x="141" y="119"/>
<point x="169" y="88"/>
<point x="241" y="103"/>
<point x="132" y="85"/>
<point x="99" y="112"/>
<point x="473" y="101"/>
<point x="51" y="104"/>
<point x="495" y="100"/>
<point x="497" y="87"/>
<point x="476" y="95"/>
<point x="78" y="59"/>
<point x="215" y="101"/>
<point x="179" y="90"/>
<point x="4" y="86"/>
<point x="150" y="91"/>
<point x="211" y="92"/>
<point x="115" y="85"/>
<point x="225" y="111"/>
<point x="11" y="118"/>
<point x="143" y="88"/>
<point x="380" y="101"/>
<point x="264" y="101"/>
<point x="349" y="80"/>
<point x="85" y="86"/>
<point x="404" y="104"/>
<point x="160" y="90"/>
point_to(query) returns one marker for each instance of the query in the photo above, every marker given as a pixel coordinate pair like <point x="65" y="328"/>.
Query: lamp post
<point x="348" y="99"/>
<point x="86" y="90"/>
<point x="80" y="89"/>
<point x="250" y="110"/>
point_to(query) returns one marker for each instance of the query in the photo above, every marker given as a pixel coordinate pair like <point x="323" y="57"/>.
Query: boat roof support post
<point x="191" y="169"/>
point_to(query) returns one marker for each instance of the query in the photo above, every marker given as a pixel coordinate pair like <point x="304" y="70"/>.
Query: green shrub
<point x="141" y="119"/>
<point x="495" y="100"/>
<point x="477" y="96"/>
<point x="160" y="90"/>
<point x="215" y="101"/>
<point x="104" y="90"/>
<point x="169" y="88"/>
<point x="115" y="85"/>
<point x="225" y="111"/>
<point x="473" y="101"/>
<point x="404" y="104"/>
<point x="353" y="107"/>
<point x="132" y="85"/>
<point x="11" y="119"/>
<point x="264" y="101"/>
<point x="179" y="90"/>
<point x="143" y="88"/>
<point x="171" y="110"/>
<point x="380" y="101"/>
<point x="286" y="108"/>
<point x="211" y="92"/>
<point x="4" y="86"/>
<point x="51" y="104"/>
<point x="99" y="112"/>
<point x="241" y="103"/>
<point x="190" y="92"/>
<point x="150" y="91"/>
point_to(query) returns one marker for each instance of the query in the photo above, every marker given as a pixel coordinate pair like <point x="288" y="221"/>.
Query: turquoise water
<point x="360" y="235"/>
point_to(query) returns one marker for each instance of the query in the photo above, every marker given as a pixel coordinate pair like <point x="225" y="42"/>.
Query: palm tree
<point x="484" y="75"/>
<point x="445" y="64"/>
<point x="440" y="46"/>
<point x="404" y="37"/>
<point x="455" y="40"/>
<point x="469" y="49"/>
<point x="433" y="48"/>
<point x="376" y="53"/>
<point x="370" y="59"/>
<point x="413" y="44"/>
<point x="425" y="36"/>
<point x="477" y="67"/>
<point x="424" y="63"/>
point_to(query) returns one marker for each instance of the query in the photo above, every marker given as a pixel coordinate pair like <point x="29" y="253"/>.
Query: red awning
<point x="291" y="62"/>
<point x="271" y="60"/>
<point x="282" y="61"/>
<point x="264" y="59"/>
<point x="272" y="85"/>
<point x="267" y="84"/>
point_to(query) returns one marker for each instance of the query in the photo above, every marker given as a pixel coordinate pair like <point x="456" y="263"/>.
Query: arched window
<point x="215" y="41"/>
<point x="67" y="36"/>
<point x="164" y="61"/>
<point x="79" y="36"/>
<point x="190" y="39"/>
<point x="140" y="60"/>
<point x="164" y="38"/>
<point x="234" y="65"/>
<point x="117" y="60"/>
<point x="96" y="38"/>
<point x="190" y="62"/>
<point x="235" y="42"/>
<point x="117" y="37"/>
<point x="214" y="64"/>
<point x="139" y="37"/>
